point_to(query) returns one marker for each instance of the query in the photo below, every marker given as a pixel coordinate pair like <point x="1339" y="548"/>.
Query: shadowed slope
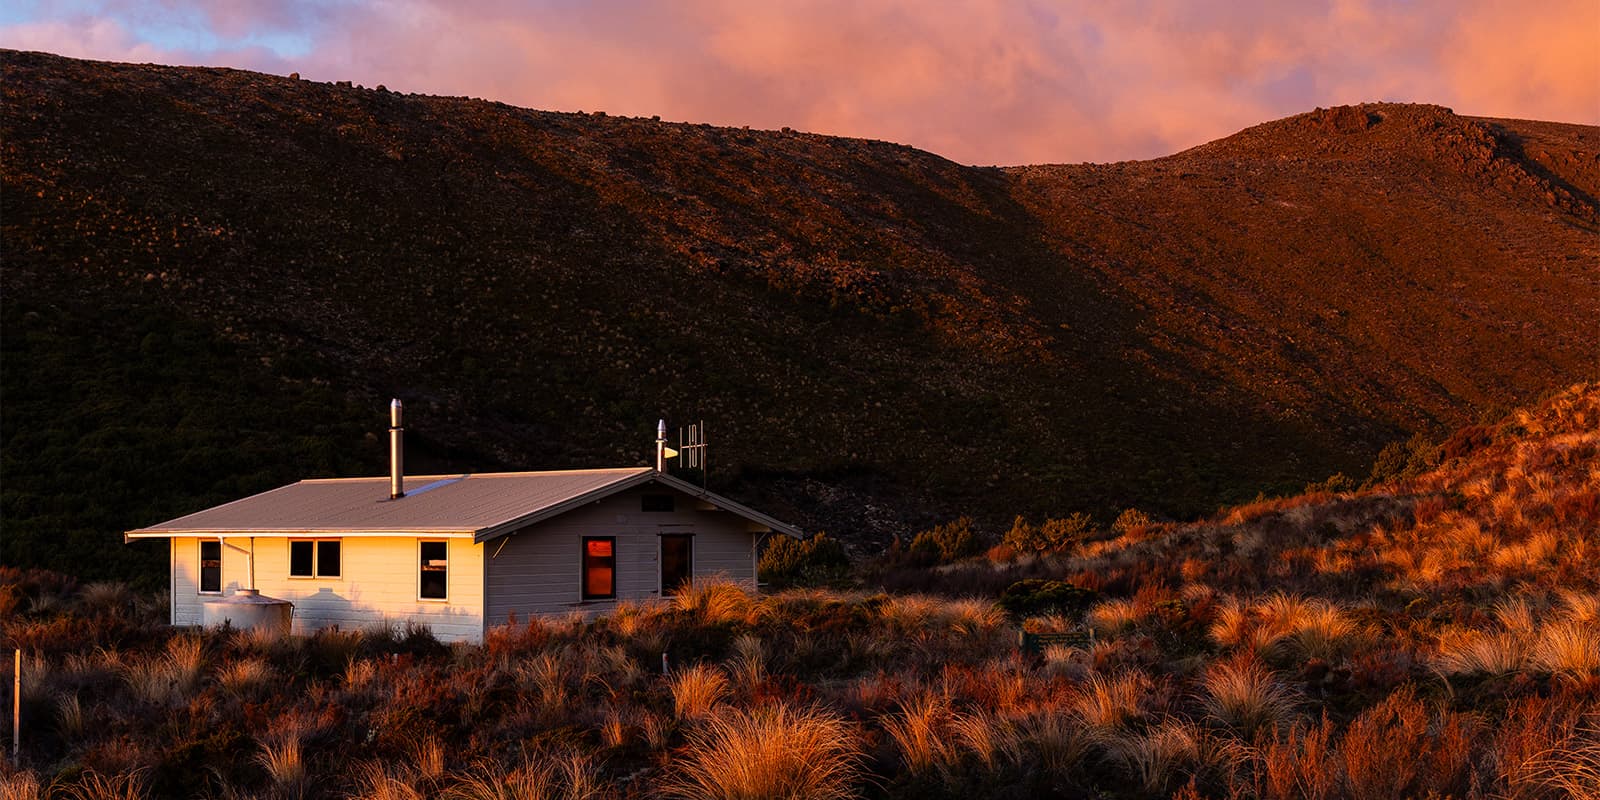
<point x="201" y="260"/>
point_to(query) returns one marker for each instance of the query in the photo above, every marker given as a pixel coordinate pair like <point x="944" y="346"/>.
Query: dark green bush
<point x="790" y="562"/>
<point x="1404" y="460"/>
<point x="945" y="543"/>
<point x="1032" y="597"/>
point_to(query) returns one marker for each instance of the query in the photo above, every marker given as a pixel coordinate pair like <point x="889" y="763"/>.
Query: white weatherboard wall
<point x="378" y="584"/>
<point x="538" y="570"/>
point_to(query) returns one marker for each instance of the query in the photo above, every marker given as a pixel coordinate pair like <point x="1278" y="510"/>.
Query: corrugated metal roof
<point x="485" y="506"/>
<point x="455" y="503"/>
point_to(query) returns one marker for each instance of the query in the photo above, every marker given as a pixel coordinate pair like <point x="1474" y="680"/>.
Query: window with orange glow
<point x="599" y="567"/>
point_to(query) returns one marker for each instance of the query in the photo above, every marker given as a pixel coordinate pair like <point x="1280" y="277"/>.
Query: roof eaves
<point x="606" y="490"/>
<point x="174" y="533"/>
<point x="729" y="505"/>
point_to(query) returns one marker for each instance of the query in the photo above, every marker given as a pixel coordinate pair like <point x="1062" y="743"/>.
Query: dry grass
<point x="1478" y="652"/>
<point x="1114" y="616"/>
<point x="1570" y="648"/>
<point x="1111" y="701"/>
<point x="379" y="782"/>
<point x="716" y="600"/>
<point x="768" y="752"/>
<point x="748" y="666"/>
<point x="697" y="690"/>
<point x="1157" y="757"/>
<point x="245" y="675"/>
<point x="22" y="785"/>
<point x="94" y="786"/>
<point x="559" y="776"/>
<point x="1243" y="695"/>
<point x="70" y="719"/>
<point x="918" y="727"/>
<point x="171" y="677"/>
<point x="428" y="758"/>
<point x="284" y="764"/>
<point x="1301" y="766"/>
<point x="1572" y="767"/>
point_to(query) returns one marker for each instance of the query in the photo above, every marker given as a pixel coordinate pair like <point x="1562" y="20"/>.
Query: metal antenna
<point x="694" y="450"/>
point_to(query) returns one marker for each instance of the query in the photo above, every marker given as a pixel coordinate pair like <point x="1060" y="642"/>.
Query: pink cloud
<point x="979" y="81"/>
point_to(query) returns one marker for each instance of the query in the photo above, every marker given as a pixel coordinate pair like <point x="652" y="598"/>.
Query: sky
<point x="977" y="81"/>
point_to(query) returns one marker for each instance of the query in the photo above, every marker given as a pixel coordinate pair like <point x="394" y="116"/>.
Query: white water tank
<point x="247" y="610"/>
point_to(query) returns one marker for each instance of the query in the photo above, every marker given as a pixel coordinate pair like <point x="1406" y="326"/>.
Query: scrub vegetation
<point x="215" y="280"/>
<point x="1436" y="634"/>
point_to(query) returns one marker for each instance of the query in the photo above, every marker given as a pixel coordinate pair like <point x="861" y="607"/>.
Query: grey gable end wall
<point x="537" y="571"/>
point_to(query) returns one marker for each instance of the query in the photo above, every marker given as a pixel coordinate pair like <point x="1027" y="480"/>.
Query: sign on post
<point x="1035" y="643"/>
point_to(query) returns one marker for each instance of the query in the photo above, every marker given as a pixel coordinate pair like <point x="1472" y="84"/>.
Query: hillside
<point x="214" y="279"/>
<point x="1281" y="650"/>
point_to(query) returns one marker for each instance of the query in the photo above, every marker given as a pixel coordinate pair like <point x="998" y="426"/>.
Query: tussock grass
<point x="70" y="717"/>
<point x="245" y="675"/>
<point x="1476" y="652"/>
<point x="23" y="785"/>
<point x="284" y="763"/>
<point x="1569" y="647"/>
<point x="716" y="600"/>
<point x="768" y="752"/>
<point x="547" y="776"/>
<point x="918" y="727"/>
<point x="1111" y="701"/>
<point x="1158" y="756"/>
<point x="1244" y="696"/>
<point x="379" y="782"/>
<point x="1571" y="768"/>
<point x="697" y="690"/>
<point x="94" y="786"/>
<point x="169" y="678"/>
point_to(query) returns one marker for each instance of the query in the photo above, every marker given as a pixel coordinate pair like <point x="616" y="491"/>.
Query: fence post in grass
<point x="16" y="709"/>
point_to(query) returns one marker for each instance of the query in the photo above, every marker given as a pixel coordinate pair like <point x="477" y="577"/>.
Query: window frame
<point x="422" y="567"/>
<point x="316" y="559"/>
<point x="583" y="569"/>
<point x="200" y="567"/>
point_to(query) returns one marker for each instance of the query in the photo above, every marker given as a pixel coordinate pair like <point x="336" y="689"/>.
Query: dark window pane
<point x="599" y="569"/>
<point x="433" y="582"/>
<point x="328" y="559"/>
<point x="300" y="559"/>
<point x="677" y="561"/>
<point x="656" y="502"/>
<point x="211" y="566"/>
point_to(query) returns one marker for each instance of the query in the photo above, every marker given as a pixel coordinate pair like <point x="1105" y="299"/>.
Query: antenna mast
<point x="694" y="451"/>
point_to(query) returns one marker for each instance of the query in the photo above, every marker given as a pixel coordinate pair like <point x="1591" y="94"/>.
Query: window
<point x="431" y="585"/>
<point x="656" y="502"/>
<point x="314" y="558"/>
<point x="677" y="561"/>
<point x="211" y="567"/>
<point x="599" y="567"/>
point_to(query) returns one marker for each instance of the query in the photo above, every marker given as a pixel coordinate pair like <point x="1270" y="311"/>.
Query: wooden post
<point x="16" y="710"/>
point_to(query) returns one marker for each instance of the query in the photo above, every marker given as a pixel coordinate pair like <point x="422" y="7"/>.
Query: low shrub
<point x="1034" y="597"/>
<point x="945" y="543"/>
<point x="787" y="561"/>
<point x="1054" y="535"/>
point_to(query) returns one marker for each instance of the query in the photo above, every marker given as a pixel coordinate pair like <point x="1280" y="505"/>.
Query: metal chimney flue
<point x="397" y="453"/>
<point x="661" y="446"/>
